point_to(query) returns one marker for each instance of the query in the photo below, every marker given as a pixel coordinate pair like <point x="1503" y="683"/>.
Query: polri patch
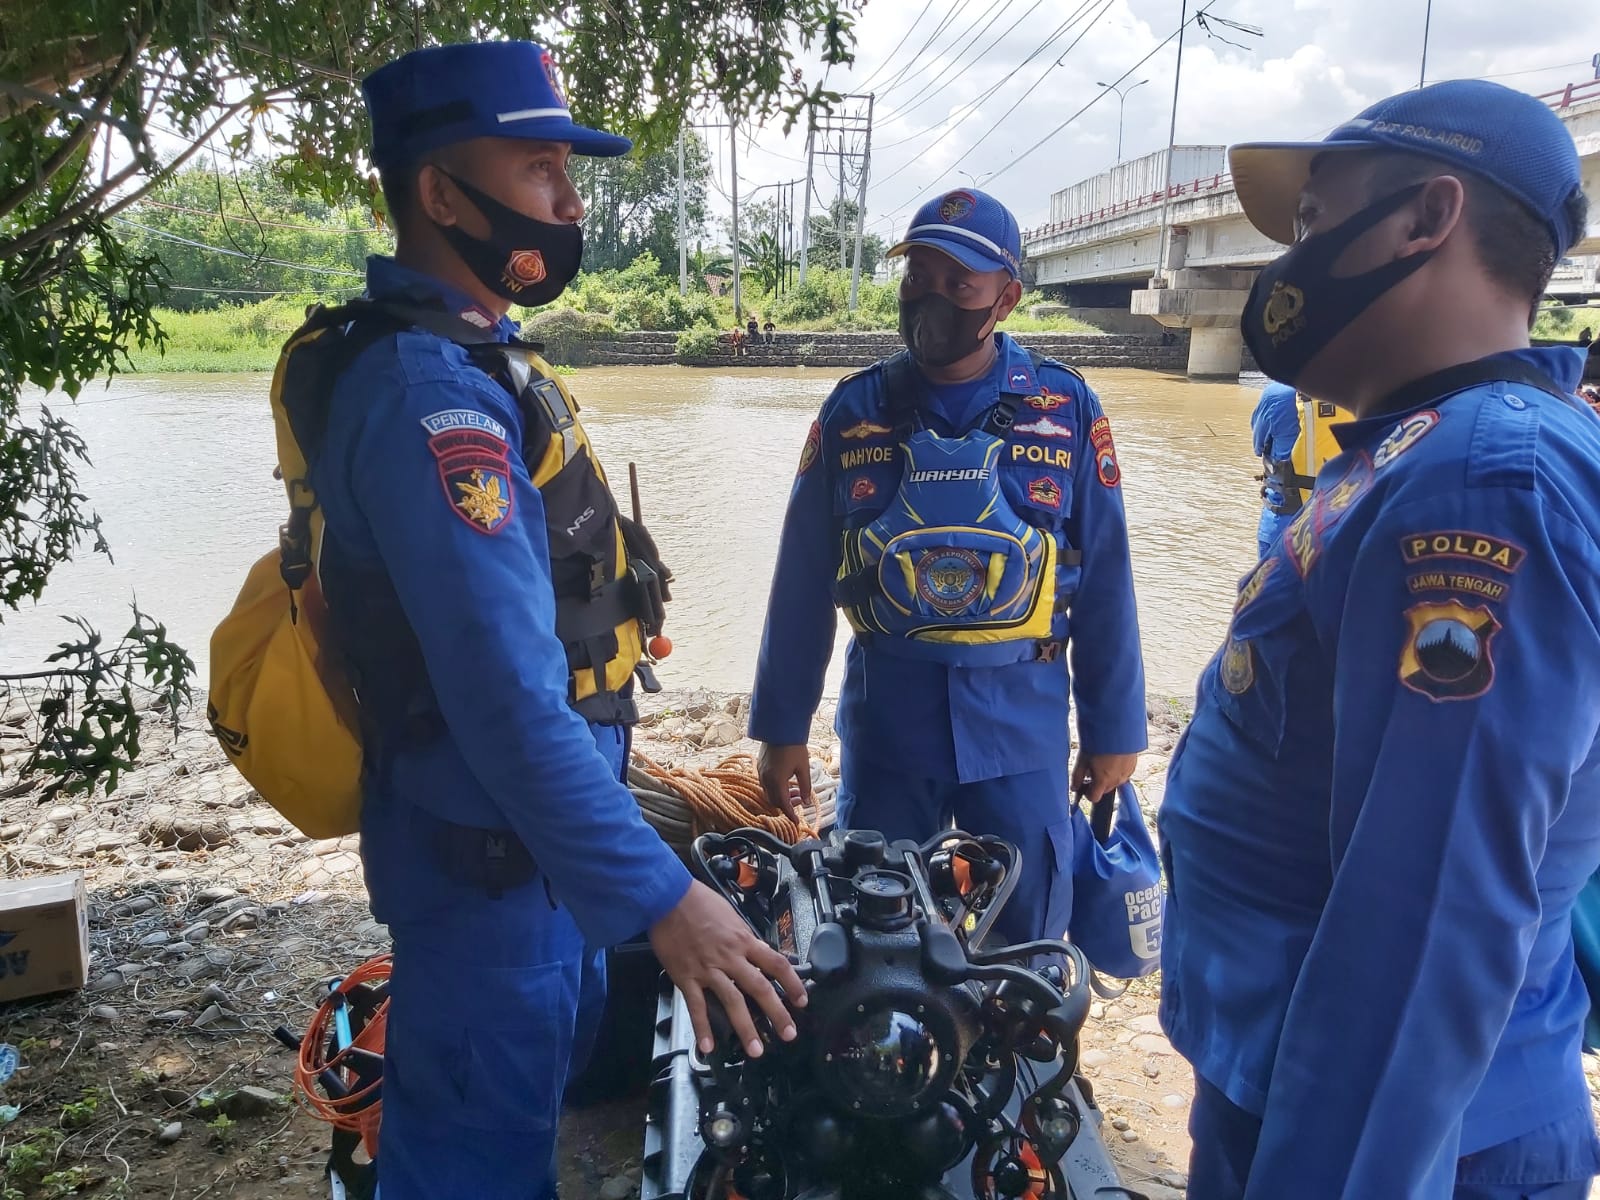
<point x="1483" y="548"/>
<point x="1046" y="492"/>
<point x="949" y="578"/>
<point x="813" y="446"/>
<point x="1446" y="655"/>
<point x="1105" y="453"/>
<point x="474" y="467"/>
<point x="1043" y="427"/>
<point x="1404" y="436"/>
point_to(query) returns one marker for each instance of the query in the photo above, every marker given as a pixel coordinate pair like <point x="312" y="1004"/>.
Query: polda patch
<point x="1483" y="549"/>
<point x="813" y="447"/>
<point x="1105" y="453"/>
<point x="1448" y="650"/>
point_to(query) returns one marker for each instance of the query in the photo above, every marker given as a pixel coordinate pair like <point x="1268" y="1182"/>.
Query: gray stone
<point x="618" y="1187"/>
<point x="109" y="982"/>
<point x="214" y="895"/>
<point x="170" y="1133"/>
<point x="1152" y="1068"/>
<point x="133" y="906"/>
<point x="10" y="833"/>
<point x="1129" y="1135"/>
<point x="213" y="1014"/>
<point x="1120" y="1123"/>
<point x="215" y="993"/>
<point x="226" y="908"/>
<point x="245" y="918"/>
<point x="174" y="1016"/>
<point x="104" y="1012"/>
<point x="159" y="938"/>
<point x="1149" y="1023"/>
<point x="721" y="733"/>
<point x="187" y="833"/>
<point x="197" y="933"/>
<point x="1173" y="1100"/>
<point x="61" y="814"/>
<point x="203" y="966"/>
<point x="1095" y="1058"/>
<point x="1152" y="1043"/>
<point x="250" y="1102"/>
<point x="1173" y="1179"/>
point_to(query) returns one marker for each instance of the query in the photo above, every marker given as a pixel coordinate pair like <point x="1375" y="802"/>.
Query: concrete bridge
<point x="1104" y="238"/>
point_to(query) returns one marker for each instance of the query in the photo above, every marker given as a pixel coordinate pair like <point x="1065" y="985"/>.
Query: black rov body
<point x="930" y="1065"/>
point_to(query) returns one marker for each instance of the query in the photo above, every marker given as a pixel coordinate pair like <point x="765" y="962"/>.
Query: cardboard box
<point x="44" y="935"/>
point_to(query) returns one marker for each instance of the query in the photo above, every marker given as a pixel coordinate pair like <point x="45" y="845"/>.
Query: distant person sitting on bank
<point x="769" y="329"/>
<point x="753" y="328"/>
<point x="737" y="338"/>
<point x="1275" y="427"/>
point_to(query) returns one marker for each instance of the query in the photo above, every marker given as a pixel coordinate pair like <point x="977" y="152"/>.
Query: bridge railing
<point x="1220" y="182"/>
<point x="1573" y="93"/>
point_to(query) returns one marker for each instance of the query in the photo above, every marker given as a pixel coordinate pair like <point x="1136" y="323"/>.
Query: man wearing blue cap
<point x="955" y="501"/>
<point x="471" y="562"/>
<point x="1387" y="801"/>
<point x="1274" y="429"/>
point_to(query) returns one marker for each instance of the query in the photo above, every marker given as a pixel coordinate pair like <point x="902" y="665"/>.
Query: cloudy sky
<point x="941" y="103"/>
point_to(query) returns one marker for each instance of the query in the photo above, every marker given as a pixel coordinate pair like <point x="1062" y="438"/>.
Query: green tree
<point x="825" y="245"/>
<point x="633" y="204"/>
<point x="84" y="86"/>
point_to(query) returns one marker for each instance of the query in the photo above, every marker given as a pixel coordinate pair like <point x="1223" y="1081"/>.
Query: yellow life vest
<point x="283" y="702"/>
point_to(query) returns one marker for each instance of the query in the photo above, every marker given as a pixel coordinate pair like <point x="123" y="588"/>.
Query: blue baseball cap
<point x="447" y="94"/>
<point x="970" y="226"/>
<point x="1511" y="139"/>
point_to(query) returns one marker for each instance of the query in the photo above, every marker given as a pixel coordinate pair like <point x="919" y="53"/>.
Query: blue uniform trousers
<point x="494" y="1002"/>
<point x="1555" y="1162"/>
<point x="1031" y="811"/>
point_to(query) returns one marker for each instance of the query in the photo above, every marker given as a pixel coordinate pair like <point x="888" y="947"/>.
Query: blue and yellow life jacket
<point x="950" y="570"/>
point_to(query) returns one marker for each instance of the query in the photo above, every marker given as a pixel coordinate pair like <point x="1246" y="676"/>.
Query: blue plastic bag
<point x="1117" y="900"/>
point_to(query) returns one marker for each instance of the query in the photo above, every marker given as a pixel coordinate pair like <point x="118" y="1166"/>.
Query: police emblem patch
<point x="865" y="429"/>
<point x="1404" y="436"/>
<point x="1045" y="491"/>
<point x="1447" y="651"/>
<point x="1043" y="427"/>
<point x="1237" y="670"/>
<point x="949" y="578"/>
<point x="956" y="205"/>
<point x="1301" y="538"/>
<point x="863" y="489"/>
<point x="1254" y="583"/>
<point x="524" y="269"/>
<point x="1105" y="453"/>
<point x="1281" y="316"/>
<point x="474" y="467"/>
<point x="1046" y="400"/>
<point x="808" y="452"/>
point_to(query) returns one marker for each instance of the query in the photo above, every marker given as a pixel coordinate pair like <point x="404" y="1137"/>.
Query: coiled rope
<point x="681" y="803"/>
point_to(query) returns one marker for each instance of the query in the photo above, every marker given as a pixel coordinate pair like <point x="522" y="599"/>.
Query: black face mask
<point x="1298" y="305"/>
<point x="524" y="260"/>
<point x="939" y="332"/>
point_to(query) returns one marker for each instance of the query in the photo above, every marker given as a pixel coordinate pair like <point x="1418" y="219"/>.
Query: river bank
<point x="212" y="921"/>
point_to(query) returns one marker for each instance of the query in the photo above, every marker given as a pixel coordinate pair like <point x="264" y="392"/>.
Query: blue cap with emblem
<point x="447" y="94"/>
<point x="970" y="226"/>
<point x="1509" y="138"/>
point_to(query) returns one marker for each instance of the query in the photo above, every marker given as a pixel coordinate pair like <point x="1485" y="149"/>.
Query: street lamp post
<point x="1122" y="96"/>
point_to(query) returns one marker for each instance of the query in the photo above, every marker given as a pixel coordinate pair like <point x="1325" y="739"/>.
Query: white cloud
<point x="1318" y="63"/>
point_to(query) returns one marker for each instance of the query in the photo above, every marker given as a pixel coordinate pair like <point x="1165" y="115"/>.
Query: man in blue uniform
<point x="1274" y="429"/>
<point x="955" y="501"/>
<point x="1387" y="801"/>
<point x="500" y="846"/>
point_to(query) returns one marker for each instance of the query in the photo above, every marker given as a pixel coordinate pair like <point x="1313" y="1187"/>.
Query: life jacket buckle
<point x="1048" y="650"/>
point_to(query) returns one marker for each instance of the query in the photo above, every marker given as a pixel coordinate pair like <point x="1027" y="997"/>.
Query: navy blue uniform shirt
<point x="1377" y="822"/>
<point x="928" y="719"/>
<point x="481" y="603"/>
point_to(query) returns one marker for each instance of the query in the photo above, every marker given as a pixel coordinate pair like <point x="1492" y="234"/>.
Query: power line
<point x="897" y="114"/>
<point x="916" y="57"/>
<point x="1100" y="94"/>
<point x="889" y="58"/>
<point x="977" y="102"/>
<point x="270" y="262"/>
<point x="1045" y="74"/>
<point x="963" y="39"/>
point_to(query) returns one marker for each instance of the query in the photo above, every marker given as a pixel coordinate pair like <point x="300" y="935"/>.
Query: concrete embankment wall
<point x="802" y="349"/>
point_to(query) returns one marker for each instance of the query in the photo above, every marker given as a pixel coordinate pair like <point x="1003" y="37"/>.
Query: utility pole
<point x="1427" y="20"/>
<point x="805" y="220"/>
<point x="1172" y="133"/>
<point x="861" y="207"/>
<point x="683" y="231"/>
<point x="733" y="171"/>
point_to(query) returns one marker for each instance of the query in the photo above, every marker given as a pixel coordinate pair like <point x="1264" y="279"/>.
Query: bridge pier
<point x="1208" y="302"/>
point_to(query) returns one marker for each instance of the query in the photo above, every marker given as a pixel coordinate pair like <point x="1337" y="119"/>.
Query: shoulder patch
<point x="474" y="463"/>
<point x="1447" y="651"/>
<point x="1404" y="436"/>
<point x="813" y="446"/>
<point x="1105" y="453"/>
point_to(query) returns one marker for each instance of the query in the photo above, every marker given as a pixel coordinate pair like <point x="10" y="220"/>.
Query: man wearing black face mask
<point x="476" y="572"/>
<point x="954" y="500"/>
<point x="1387" y="801"/>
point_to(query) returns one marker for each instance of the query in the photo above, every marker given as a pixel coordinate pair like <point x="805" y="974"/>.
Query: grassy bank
<point x="244" y="337"/>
